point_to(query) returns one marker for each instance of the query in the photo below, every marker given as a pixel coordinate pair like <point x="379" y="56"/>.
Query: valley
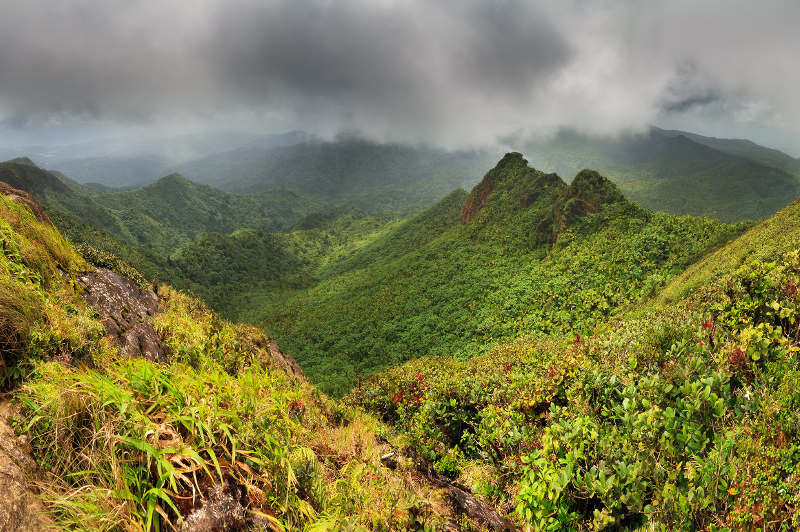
<point x="475" y="337"/>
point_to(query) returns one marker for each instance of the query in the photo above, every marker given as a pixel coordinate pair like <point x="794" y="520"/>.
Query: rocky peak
<point x="509" y="166"/>
<point x="22" y="160"/>
<point x="588" y="193"/>
<point x="590" y="186"/>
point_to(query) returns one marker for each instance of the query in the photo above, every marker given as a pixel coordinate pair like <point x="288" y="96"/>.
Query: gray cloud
<point x="686" y="104"/>
<point x="448" y="71"/>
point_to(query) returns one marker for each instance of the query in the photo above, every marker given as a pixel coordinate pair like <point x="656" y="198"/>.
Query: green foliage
<point x="558" y="381"/>
<point x="681" y="417"/>
<point x="133" y="444"/>
<point x="40" y="312"/>
<point x="433" y="286"/>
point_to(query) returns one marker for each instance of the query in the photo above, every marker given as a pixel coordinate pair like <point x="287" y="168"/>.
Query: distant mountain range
<point x="679" y="172"/>
<point x="364" y="174"/>
<point x="158" y="218"/>
<point x="675" y="171"/>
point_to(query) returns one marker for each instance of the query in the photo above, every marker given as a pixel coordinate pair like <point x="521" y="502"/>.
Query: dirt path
<point x="20" y="508"/>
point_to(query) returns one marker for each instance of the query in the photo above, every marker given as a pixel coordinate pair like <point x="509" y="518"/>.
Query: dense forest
<point x="533" y="352"/>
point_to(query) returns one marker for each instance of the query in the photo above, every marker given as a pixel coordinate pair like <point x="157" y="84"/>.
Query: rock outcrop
<point x="125" y="310"/>
<point x="20" y="508"/>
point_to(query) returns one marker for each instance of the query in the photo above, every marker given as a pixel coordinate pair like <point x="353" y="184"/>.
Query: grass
<point x="136" y="445"/>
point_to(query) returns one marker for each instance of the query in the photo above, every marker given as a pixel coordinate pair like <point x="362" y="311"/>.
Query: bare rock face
<point x="20" y="508"/>
<point x="284" y="361"/>
<point x="221" y="510"/>
<point x="125" y="310"/>
<point x="22" y="197"/>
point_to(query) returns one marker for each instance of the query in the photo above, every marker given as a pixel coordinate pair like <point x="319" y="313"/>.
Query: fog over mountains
<point x="453" y="73"/>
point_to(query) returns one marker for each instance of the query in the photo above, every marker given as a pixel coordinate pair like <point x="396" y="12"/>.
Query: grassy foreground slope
<point x="218" y="427"/>
<point x="681" y="414"/>
<point x="524" y="253"/>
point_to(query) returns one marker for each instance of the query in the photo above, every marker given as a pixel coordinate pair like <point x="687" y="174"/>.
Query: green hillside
<point x="680" y="174"/>
<point x="164" y="215"/>
<point x="678" y="414"/>
<point x="218" y="431"/>
<point x="523" y="253"/>
<point x="224" y="268"/>
<point x="567" y="359"/>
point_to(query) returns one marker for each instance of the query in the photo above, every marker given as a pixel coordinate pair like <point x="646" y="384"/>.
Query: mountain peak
<point x="592" y="187"/>
<point x="171" y="181"/>
<point x="511" y="172"/>
<point x="174" y="177"/>
<point x="513" y="158"/>
<point x="22" y="160"/>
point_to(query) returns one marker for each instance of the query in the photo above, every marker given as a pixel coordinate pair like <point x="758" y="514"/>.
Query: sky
<point x="454" y="73"/>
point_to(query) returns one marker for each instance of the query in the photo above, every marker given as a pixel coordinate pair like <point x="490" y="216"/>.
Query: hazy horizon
<point x="450" y="73"/>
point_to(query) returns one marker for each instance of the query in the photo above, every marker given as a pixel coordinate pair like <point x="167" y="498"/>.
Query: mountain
<point x="678" y="413"/>
<point x="569" y="360"/>
<point x="119" y="171"/>
<point x="126" y="162"/>
<point x="174" y="211"/>
<point x="143" y="410"/>
<point x="161" y="216"/>
<point x="677" y="173"/>
<point x="524" y="253"/>
<point x="356" y="172"/>
<point x="743" y="148"/>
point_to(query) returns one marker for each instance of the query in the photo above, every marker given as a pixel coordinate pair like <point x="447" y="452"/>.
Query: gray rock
<point x="125" y="310"/>
<point x="20" y="508"/>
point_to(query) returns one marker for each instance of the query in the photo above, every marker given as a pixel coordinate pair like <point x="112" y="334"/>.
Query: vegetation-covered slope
<point x="682" y="174"/>
<point x="681" y="416"/>
<point x="524" y="253"/>
<point x="216" y="436"/>
<point x="557" y="378"/>
<point x="162" y="216"/>
<point x="746" y="149"/>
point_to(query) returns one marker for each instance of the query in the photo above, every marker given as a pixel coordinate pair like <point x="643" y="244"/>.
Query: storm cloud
<point x="451" y="72"/>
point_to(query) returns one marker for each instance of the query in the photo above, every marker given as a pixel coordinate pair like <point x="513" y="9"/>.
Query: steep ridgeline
<point x="524" y="253"/>
<point x="680" y="413"/>
<point x="679" y="172"/>
<point x="143" y="410"/>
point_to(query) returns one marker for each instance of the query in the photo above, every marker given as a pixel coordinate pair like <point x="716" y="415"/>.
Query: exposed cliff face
<point x="475" y="201"/>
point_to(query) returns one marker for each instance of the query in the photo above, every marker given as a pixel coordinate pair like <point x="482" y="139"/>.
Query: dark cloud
<point x="681" y="106"/>
<point x="451" y="71"/>
<point x="409" y="65"/>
